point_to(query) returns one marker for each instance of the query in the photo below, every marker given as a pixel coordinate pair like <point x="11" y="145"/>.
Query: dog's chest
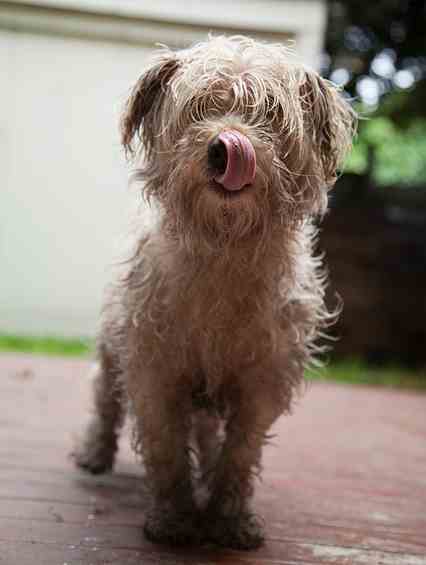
<point x="223" y="334"/>
<point x="217" y="317"/>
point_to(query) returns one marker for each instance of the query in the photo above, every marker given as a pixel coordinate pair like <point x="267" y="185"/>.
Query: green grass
<point x="354" y="372"/>
<point x="45" y="345"/>
<point x="357" y="372"/>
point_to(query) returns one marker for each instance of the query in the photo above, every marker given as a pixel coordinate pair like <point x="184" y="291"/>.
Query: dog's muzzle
<point x="232" y="160"/>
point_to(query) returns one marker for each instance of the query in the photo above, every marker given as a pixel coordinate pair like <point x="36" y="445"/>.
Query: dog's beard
<point x="206" y="216"/>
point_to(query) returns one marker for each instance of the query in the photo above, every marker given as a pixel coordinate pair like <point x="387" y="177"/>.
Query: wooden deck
<point x="345" y="482"/>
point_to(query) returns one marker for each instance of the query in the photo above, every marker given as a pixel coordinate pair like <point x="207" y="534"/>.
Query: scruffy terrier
<point x="207" y="335"/>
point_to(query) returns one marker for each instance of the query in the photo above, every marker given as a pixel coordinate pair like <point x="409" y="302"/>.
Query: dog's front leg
<point x="161" y="408"/>
<point x="230" y="519"/>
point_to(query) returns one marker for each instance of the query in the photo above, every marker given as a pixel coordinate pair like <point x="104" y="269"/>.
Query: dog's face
<point x="237" y="139"/>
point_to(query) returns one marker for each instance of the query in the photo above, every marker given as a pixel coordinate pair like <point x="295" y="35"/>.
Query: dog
<point x="206" y="336"/>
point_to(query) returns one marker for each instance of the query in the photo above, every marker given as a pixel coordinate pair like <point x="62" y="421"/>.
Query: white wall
<point x="63" y="195"/>
<point x="63" y="181"/>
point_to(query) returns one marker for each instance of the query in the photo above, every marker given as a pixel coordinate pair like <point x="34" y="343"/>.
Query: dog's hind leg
<point x="207" y="442"/>
<point x="96" y="453"/>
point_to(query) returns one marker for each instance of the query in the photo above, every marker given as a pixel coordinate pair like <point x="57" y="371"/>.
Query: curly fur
<point x="218" y="313"/>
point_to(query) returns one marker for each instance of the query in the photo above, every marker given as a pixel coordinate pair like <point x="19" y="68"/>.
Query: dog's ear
<point x="144" y="102"/>
<point x="330" y="121"/>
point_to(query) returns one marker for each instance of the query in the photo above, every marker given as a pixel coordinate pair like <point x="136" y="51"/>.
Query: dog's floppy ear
<point x="144" y="101"/>
<point x="330" y="121"/>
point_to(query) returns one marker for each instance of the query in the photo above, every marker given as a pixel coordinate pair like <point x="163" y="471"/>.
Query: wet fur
<point x="218" y="313"/>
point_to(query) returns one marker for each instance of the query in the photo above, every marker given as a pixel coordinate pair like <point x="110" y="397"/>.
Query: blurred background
<point x="66" y="69"/>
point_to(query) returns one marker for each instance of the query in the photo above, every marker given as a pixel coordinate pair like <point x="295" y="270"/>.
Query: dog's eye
<point x="274" y="111"/>
<point x="197" y="108"/>
<point x="200" y="107"/>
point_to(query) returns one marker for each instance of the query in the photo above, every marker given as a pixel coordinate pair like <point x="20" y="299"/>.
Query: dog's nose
<point x="217" y="156"/>
<point x="232" y="160"/>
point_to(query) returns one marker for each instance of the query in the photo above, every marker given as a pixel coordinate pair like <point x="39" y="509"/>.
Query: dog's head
<point x="237" y="139"/>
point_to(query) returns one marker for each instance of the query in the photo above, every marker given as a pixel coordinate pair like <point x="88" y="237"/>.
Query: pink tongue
<point x="241" y="163"/>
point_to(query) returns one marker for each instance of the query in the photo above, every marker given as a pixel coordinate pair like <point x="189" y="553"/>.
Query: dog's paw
<point x="94" y="459"/>
<point x="172" y="528"/>
<point x="244" y="531"/>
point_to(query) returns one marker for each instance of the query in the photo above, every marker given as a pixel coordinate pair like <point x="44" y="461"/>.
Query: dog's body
<point x="217" y="315"/>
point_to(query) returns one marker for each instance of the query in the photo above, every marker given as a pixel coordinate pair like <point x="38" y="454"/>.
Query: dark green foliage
<point x="399" y="155"/>
<point x="358" y="32"/>
<point x="374" y="44"/>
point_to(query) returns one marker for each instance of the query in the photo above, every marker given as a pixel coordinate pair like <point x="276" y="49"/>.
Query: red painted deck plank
<point x="344" y="482"/>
